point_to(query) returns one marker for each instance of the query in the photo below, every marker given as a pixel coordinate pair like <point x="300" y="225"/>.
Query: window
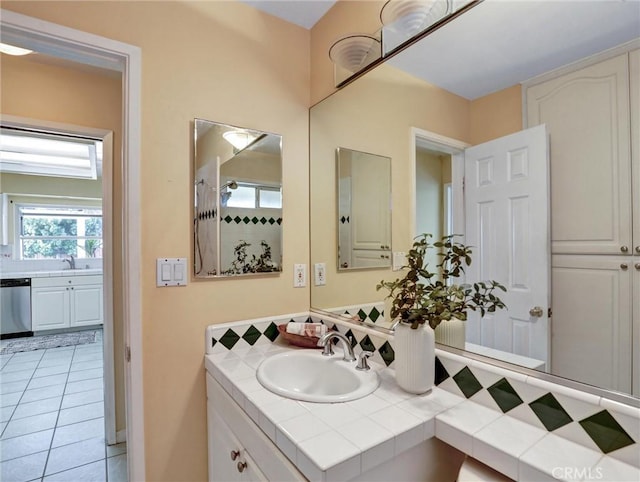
<point x="254" y="196"/>
<point x="47" y="232"/>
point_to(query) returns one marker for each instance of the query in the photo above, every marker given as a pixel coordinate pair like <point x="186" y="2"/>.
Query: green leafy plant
<point x="429" y="296"/>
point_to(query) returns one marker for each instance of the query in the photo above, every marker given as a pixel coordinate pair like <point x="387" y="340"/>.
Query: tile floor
<point x="52" y="417"/>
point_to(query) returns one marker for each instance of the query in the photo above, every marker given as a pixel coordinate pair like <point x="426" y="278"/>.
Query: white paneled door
<point x="506" y="211"/>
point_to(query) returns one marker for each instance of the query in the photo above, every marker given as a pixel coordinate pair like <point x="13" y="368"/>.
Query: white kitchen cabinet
<point x="66" y="302"/>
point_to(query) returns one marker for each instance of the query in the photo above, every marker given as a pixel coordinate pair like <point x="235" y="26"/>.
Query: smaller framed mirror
<point x="237" y="201"/>
<point x="364" y="209"/>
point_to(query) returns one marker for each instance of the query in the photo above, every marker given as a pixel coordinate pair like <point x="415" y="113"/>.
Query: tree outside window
<point x="49" y="232"/>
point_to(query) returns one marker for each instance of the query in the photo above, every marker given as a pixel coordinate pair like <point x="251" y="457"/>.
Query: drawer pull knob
<point x="235" y="454"/>
<point x="624" y="266"/>
<point x="638" y="266"/>
<point x="624" y="249"/>
<point x="638" y="249"/>
<point x="242" y="466"/>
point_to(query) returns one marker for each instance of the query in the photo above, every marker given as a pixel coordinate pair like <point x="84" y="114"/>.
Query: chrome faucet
<point x="325" y="341"/>
<point x="71" y="260"/>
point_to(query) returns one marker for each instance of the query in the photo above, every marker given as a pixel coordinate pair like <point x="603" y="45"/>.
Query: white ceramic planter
<point x="451" y="333"/>
<point x="414" y="358"/>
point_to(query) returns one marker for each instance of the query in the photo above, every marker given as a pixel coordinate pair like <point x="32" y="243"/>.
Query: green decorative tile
<point x="362" y="314"/>
<point x="366" y="344"/>
<point x="213" y="342"/>
<point x="467" y="382"/>
<point x="441" y="372"/>
<point x="237" y="219"/>
<point x="504" y="395"/>
<point x="251" y="335"/>
<point x="254" y="220"/>
<point x="387" y="353"/>
<point x="606" y="432"/>
<point x="246" y="220"/>
<point x="263" y="220"/>
<point x="279" y="221"/>
<point x="229" y="339"/>
<point x="550" y="412"/>
<point x="374" y="314"/>
<point x="271" y="332"/>
<point x="271" y="221"/>
<point x="351" y="337"/>
<point x="228" y="218"/>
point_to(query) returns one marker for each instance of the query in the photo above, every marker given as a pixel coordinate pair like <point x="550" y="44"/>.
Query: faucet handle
<point x="362" y="360"/>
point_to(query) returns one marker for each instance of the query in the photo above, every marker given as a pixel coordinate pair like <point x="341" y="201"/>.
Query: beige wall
<point x="495" y="115"/>
<point x="62" y="94"/>
<point x="226" y="62"/>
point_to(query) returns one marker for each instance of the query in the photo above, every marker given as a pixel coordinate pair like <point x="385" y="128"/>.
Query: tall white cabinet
<point x="591" y="113"/>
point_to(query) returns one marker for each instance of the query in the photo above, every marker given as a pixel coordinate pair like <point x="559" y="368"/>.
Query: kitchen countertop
<point x="49" y="274"/>
<point x="340" y="441"/>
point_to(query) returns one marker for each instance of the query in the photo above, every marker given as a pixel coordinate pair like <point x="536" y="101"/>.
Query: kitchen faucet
<point x="71" y="260"/>
<point x="325" y="342"/>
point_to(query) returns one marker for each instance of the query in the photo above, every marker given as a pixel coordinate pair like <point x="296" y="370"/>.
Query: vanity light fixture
<point x="13" y="50"/>
<point x="354" y="52"/>
<point x="408" y="17"/>
<point x="239" y="138"/>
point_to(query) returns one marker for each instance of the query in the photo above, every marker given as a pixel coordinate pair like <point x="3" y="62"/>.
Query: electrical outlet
<point x="320" y="270"/>
<point x="299" y="275"/>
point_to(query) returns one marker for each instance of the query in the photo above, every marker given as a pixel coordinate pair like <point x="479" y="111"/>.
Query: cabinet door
<point x="222" y="468"/>
<point x="591" y="338"/>
<point x="634" y="77"/>
<point x="635" y="388"/>
<point x="86" y="305"/>
<point x="587" y="117"/>
<point x="49" y="308"/>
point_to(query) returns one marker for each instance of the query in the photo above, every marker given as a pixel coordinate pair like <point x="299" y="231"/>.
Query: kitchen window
<point x="53" y="232"/>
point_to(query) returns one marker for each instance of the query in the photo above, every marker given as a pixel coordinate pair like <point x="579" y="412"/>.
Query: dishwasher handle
<point x="15" y="282"/>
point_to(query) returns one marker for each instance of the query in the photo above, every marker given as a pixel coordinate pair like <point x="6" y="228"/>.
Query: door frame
<point x="448" y="145"/>
<point x="86" y="48"/>
<point x="107" y="260"/>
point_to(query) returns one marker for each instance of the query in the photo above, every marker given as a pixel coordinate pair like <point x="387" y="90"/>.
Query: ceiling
<point x="304" y="13"/>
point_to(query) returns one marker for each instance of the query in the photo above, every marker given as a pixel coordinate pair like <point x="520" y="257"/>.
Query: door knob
<point x="536" y="312"/>
<point x="624" y="249"/>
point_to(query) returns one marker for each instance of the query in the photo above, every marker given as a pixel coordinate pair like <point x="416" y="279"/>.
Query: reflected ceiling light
<point x="354" y="52"/>
<point x="239" y="139"/>
<point x="412" y="16"/>
<point x="13" y="50"/>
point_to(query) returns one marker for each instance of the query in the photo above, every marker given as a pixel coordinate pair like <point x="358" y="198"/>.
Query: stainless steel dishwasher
<point x="15" y="307"/>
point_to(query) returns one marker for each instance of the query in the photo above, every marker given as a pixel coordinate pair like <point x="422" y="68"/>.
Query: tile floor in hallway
<point x="52" y="417"/>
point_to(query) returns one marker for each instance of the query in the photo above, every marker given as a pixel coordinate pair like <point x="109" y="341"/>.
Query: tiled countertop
<point x="49" y="274"/>
<point x="340" y="441"/>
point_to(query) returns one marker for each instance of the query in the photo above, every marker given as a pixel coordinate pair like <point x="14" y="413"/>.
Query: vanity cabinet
<point x="591" y="114"/>
<point x="258" y="456"/>
<point x="66" y="302"/>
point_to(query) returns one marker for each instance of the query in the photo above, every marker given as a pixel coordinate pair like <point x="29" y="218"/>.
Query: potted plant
<point x="423" y="299"/>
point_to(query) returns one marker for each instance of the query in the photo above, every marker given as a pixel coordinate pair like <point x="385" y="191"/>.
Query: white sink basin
<point x="309" y="376"/>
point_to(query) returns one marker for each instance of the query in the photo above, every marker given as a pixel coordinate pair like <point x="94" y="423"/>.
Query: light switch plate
<point x="171" y="272"/>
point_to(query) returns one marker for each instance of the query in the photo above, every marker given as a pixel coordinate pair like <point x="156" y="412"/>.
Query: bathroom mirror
<point x="364" y="214"/>
<point x="441" y="86"/>
<point x="237" y="201"/>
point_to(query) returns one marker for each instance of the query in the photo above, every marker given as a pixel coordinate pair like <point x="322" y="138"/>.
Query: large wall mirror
<point x="468" y="83"/>
<point x="238" y="201"/>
